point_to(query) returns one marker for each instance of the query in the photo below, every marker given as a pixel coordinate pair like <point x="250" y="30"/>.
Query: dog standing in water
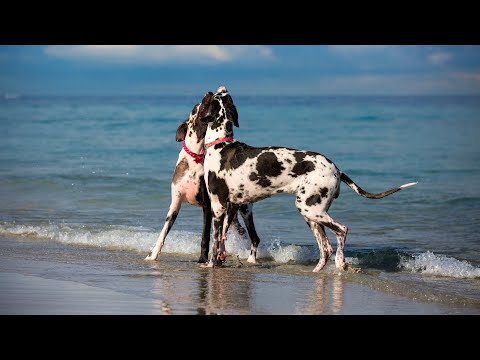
<point x="237" y="174"/>
<point x="188" y="185"/>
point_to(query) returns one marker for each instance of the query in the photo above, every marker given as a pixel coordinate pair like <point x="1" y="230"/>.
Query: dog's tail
<point x="368" y="195"/>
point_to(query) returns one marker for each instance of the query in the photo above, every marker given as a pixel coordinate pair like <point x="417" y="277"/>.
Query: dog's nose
<point x="222" y="89"/>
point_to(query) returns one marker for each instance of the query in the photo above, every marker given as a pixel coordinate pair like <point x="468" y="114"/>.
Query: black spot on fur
<point x="299" y="156"/>
<point x="217" y="124"/>
<point x="234" y="155"/>
<point x="260" y="180"/>
<point x="202" y="195"/>
<point x="239" y="195"/>
<point x="218" y="186"/>
<point x="268" y="165"/>
<point x="279" y="191"/>
<point x="288" y="161"/>
<point x="303" y="167"/>
<point x="219" y="146"/>
<point x="314" y="199"/>
<point x="264" y="182"/>
<point x="172" y="217"/>
<point x="324" y="192"/>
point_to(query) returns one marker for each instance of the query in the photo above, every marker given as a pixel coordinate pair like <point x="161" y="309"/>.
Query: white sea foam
<point x="142" y="240"/>
<point x="186" y="242"/>
<point x="429" y="263"/>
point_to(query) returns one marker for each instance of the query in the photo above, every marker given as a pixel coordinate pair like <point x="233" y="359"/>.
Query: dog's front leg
<point x="217" y="234"/>
<point x="169" y="221"/>
<point x="207" y="225"/>
<point x="228" y="217"/>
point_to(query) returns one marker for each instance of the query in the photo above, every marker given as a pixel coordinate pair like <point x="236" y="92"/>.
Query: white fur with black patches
<point x="188" y="186"/>
<point x="236" y="173"/>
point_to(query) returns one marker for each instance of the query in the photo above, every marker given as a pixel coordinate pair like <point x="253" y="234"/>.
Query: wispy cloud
<point x="160" y="54"/>
<point x="356" y="49"/>
<point x="411" y="84"/>
<point x="439" y="58"/>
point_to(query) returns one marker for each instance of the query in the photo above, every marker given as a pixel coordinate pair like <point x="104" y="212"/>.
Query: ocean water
<point x="96" y="171"/>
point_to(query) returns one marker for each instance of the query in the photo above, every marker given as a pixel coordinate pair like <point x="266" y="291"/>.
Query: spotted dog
<point x="236" y="174"/>
<point x="188" y="185"/>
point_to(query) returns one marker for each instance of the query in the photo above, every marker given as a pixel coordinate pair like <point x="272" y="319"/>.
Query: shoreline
<point x="46" y="277"/>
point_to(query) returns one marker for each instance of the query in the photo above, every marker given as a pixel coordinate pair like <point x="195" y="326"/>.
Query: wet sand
<point x="40" y="277"/>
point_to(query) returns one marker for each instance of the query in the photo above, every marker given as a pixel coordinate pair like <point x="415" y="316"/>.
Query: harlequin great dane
<point x="188" y="186"/>
<point x="236" y="174"/>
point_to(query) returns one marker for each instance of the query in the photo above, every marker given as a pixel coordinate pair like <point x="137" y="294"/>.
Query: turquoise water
<point x="97" y="171"/>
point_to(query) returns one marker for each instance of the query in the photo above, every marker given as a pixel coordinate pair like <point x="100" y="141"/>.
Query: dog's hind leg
<point x="247" y="215"/>
<point x="230" y="214"/>
<point x="169" y="221"/>
<point x="238" y="227"/>
<point x="322" y="241"/>
<point x="340" y="232"/>
<point x="231" y="217"/>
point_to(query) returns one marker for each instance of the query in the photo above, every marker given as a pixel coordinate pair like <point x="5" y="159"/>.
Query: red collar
<point x="218" y="141"/>
<point x="198" y="158"/>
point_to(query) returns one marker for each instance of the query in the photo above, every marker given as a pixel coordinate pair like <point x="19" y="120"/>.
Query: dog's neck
<point x="216" y="132"/>
<point x="194" y="144"/>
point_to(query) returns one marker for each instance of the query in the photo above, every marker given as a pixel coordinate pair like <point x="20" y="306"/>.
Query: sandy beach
<point x="40" y="277"/>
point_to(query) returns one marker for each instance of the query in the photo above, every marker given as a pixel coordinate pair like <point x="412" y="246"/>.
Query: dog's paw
<point x="151" y="258"/>
<point x="209" y="264"/>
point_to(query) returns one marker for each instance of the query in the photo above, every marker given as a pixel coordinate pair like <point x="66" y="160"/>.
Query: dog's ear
<point x="194" y="110"/>
<point x="231" y="109"/>
<point x="181" y="131"/>
<point x="234" y="115"/>
<point x="206" y="101"/>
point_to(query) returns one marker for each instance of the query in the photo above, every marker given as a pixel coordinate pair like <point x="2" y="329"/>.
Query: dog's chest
<point x="187" y="181"/>
<point x="212" y="161"/>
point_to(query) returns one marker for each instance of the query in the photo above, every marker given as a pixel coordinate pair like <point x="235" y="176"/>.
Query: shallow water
<point x="92" y="280"/>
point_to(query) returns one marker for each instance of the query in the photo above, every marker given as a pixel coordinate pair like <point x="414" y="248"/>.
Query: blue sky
<point x="244" y="69"/>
